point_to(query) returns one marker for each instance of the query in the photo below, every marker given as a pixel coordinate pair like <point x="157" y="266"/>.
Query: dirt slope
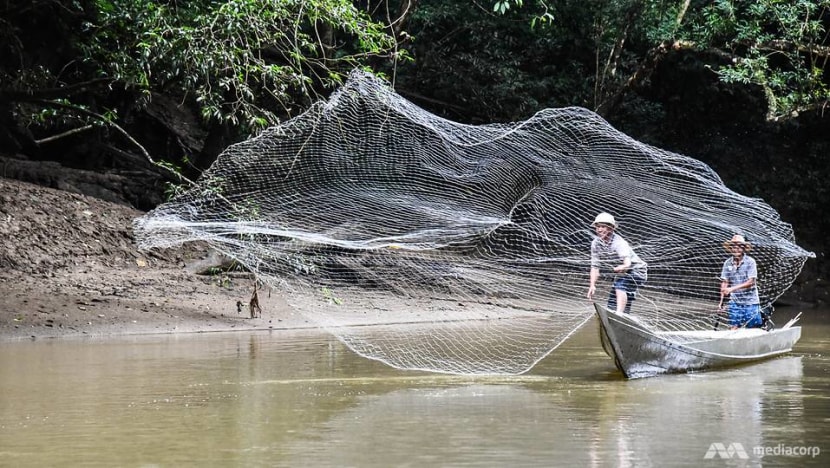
<point x="69" y="266"/>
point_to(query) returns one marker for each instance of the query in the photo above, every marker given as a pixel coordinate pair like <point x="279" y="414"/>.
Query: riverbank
<point x="69" y="267"/>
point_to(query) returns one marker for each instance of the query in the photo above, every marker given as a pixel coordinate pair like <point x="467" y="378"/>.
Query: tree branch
<point x="788" y="46"/>
<point x="123" y="132"/>
<point x="64" y="134"/>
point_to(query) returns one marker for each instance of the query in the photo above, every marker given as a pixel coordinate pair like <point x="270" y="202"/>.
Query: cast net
<point x="465" y="247"/>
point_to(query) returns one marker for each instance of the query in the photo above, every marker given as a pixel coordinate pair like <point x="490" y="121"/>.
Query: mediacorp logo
<point x="737" y="450"/>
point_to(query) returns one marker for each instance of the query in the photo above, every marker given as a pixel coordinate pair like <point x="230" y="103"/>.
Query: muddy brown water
<point x="300" y="398"/>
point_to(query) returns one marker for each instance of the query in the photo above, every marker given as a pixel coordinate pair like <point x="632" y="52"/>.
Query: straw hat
<point x="737" y="239"/>
<point x="605" y="218"/>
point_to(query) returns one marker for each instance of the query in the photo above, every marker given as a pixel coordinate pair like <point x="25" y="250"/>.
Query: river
<point x="300" y="398"/>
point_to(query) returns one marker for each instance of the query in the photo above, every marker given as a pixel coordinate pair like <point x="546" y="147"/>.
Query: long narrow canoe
<point x="641" y="352"/>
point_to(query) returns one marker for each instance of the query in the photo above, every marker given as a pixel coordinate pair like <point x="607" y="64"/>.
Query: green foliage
<point x="501" y="6"/>
<point x="220" y="275"/>
<point x="247" y="210"/>
<point x="781" y="46"/>
<point x="542" y="18"/>
<point x="489" y="66"/>
<point x="245" y="61"/>
<point x="212" y="187"/>
<point x="172" y="190"/>
<point x="330" y="297"/>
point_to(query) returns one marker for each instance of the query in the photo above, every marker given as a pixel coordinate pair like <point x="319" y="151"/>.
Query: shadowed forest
<point x="123" y="99"/>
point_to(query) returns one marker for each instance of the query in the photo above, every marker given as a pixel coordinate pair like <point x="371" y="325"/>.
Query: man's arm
<point x="592" y="284"/>
<point x="625" y="253"/>
<point x="625" y="265"/>
<point x="745" y="285"/>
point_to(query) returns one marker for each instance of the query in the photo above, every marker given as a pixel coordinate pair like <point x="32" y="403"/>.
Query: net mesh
<point x="469" y="244"/>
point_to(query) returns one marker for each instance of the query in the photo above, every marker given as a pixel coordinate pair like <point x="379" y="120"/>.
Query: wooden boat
<point x="641" y="352"/>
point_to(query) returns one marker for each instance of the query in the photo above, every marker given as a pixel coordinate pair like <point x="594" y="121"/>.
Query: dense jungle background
<point x="122" y="99"/>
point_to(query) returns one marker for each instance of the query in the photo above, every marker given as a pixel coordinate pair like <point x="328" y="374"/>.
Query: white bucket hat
<point x="605" y="218"/>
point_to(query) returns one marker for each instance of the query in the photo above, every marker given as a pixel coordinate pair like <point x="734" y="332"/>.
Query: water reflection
<point x="299" y="398"/>
<point x="655" y="422"/>
<point x="542" y="421"/>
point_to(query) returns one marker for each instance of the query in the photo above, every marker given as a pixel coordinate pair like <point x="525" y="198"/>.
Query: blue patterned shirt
<point x="737" y="274"/>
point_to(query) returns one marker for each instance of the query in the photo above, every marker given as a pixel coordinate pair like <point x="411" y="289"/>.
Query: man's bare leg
<point x="622" y="300"/>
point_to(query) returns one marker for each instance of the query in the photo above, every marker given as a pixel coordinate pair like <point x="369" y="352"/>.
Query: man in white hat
<point x="610" y="251"/>
<point x="738" y="282"/>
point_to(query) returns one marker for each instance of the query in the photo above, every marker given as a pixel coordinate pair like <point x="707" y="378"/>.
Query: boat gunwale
<point x="606" y="317"/>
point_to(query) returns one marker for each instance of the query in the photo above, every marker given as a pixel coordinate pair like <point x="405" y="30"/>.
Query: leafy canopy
<point x="246" y="61"/>
<point x="780" y="45"/>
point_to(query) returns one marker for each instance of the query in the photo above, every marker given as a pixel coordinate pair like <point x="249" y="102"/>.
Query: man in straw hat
<point x="610" y="251"/>
<point x="738" y="279"/>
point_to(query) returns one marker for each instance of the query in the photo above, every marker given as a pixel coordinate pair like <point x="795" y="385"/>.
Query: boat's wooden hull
<point x="639" y="352"/>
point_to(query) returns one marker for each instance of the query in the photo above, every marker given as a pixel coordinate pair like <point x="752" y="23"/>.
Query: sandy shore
<point x="69" y="267"/>
<point x="100" y="301"/>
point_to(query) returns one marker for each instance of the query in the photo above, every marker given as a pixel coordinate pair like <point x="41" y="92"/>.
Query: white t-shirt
<point x="609" y="255"/>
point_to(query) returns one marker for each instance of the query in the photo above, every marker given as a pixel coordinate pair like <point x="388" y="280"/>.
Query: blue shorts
<point x="629" y="283"/>
<point x="745" y="315"/>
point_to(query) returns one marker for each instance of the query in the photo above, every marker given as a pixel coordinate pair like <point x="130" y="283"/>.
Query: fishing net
<point x="465" y="247"/>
